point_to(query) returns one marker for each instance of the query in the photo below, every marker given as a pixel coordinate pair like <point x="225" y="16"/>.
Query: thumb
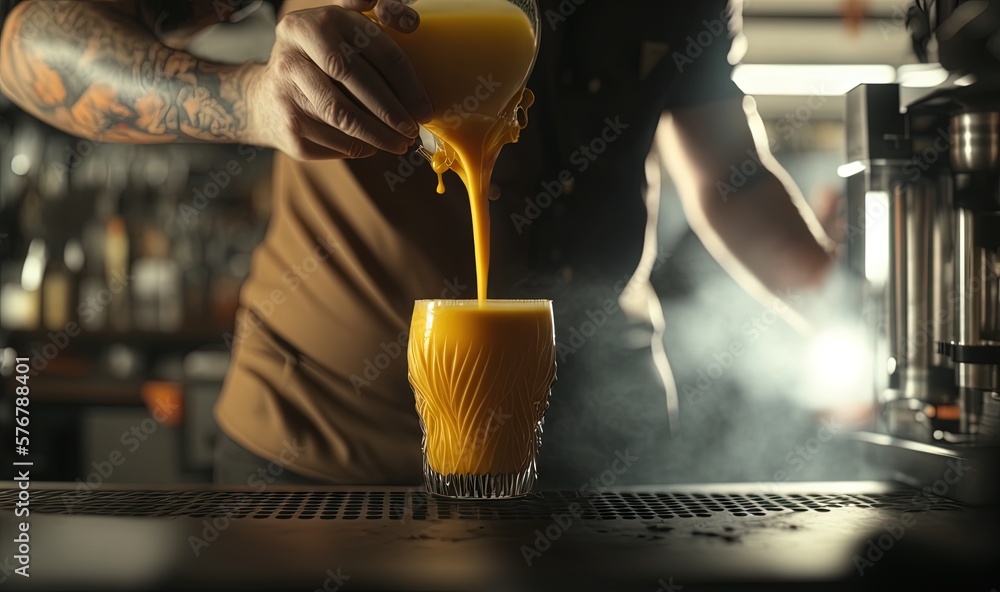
<point x="392" y="13"/>
<point x="358" y="5"/>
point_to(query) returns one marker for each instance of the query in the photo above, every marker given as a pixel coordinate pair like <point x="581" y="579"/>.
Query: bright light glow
<point x="850" y="169"/>
<point x="921" y="75"/>
<point x="809" y="79"/>
<point x="18" y="309"/>
<point x="20" y="165"/>
<point x="738" y="49"/>
<point x="34" y="266"/>
<point x="74" y="256"/>
<point x="141" y="551"/>
<point x="966" y="80"/>
<point x="839" y="366"/>
<point x="967" y="138"/>
<point x="877" y="237"/>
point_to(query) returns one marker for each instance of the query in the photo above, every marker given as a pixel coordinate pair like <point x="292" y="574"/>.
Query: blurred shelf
<point x="82" y="390"/>
<point x="172" y="340"/>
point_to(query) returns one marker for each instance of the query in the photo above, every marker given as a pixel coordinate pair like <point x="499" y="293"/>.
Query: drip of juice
<point x="481" y="372"/>
<point x="473" y="57"/>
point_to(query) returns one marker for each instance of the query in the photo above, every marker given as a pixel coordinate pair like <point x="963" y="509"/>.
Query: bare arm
<point x="92" y="70"/>
<point x="760" y="230"/>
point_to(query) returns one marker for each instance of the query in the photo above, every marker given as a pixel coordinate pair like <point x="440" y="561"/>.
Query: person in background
<point x="318" y="381"/>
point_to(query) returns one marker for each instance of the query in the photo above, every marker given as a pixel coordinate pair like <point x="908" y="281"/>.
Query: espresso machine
<point x="923" y="200"/>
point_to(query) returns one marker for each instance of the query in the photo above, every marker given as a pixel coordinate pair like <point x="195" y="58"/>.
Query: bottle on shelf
<point x="95" y="297"/>
<point x="21" y="303"/>
<point x="157" y="301"/>
<point x="58" y="290"/>
<point x="116" y="261"/>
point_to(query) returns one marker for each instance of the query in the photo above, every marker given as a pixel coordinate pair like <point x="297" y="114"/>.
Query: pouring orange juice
<point x="481" y="370"/>
<point x="473" y="58"/>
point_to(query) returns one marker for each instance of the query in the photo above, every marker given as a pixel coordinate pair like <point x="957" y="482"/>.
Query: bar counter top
<point x="809" y="536"/>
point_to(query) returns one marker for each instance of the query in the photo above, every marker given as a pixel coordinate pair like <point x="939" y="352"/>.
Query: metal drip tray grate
<point x="416" y="505"/>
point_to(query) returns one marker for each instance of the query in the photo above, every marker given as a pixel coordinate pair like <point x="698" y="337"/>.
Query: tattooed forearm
<point x="93" y="71"/>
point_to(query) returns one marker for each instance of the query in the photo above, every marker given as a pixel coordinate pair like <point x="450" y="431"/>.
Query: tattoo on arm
<point x="92" y="70"/>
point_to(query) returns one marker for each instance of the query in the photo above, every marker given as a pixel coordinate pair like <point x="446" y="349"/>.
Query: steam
<point x="750" y="388"/>
<point x="757" y="420"/>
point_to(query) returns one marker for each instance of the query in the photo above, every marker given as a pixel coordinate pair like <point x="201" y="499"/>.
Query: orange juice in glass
<point x="481" y="373"/>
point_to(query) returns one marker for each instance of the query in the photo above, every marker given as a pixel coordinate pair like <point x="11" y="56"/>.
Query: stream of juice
<point x="473" y="57"/>
<point x="481" y="370"/>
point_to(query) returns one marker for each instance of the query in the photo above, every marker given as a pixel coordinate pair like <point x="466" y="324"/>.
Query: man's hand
<point x="337" y="86"/>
